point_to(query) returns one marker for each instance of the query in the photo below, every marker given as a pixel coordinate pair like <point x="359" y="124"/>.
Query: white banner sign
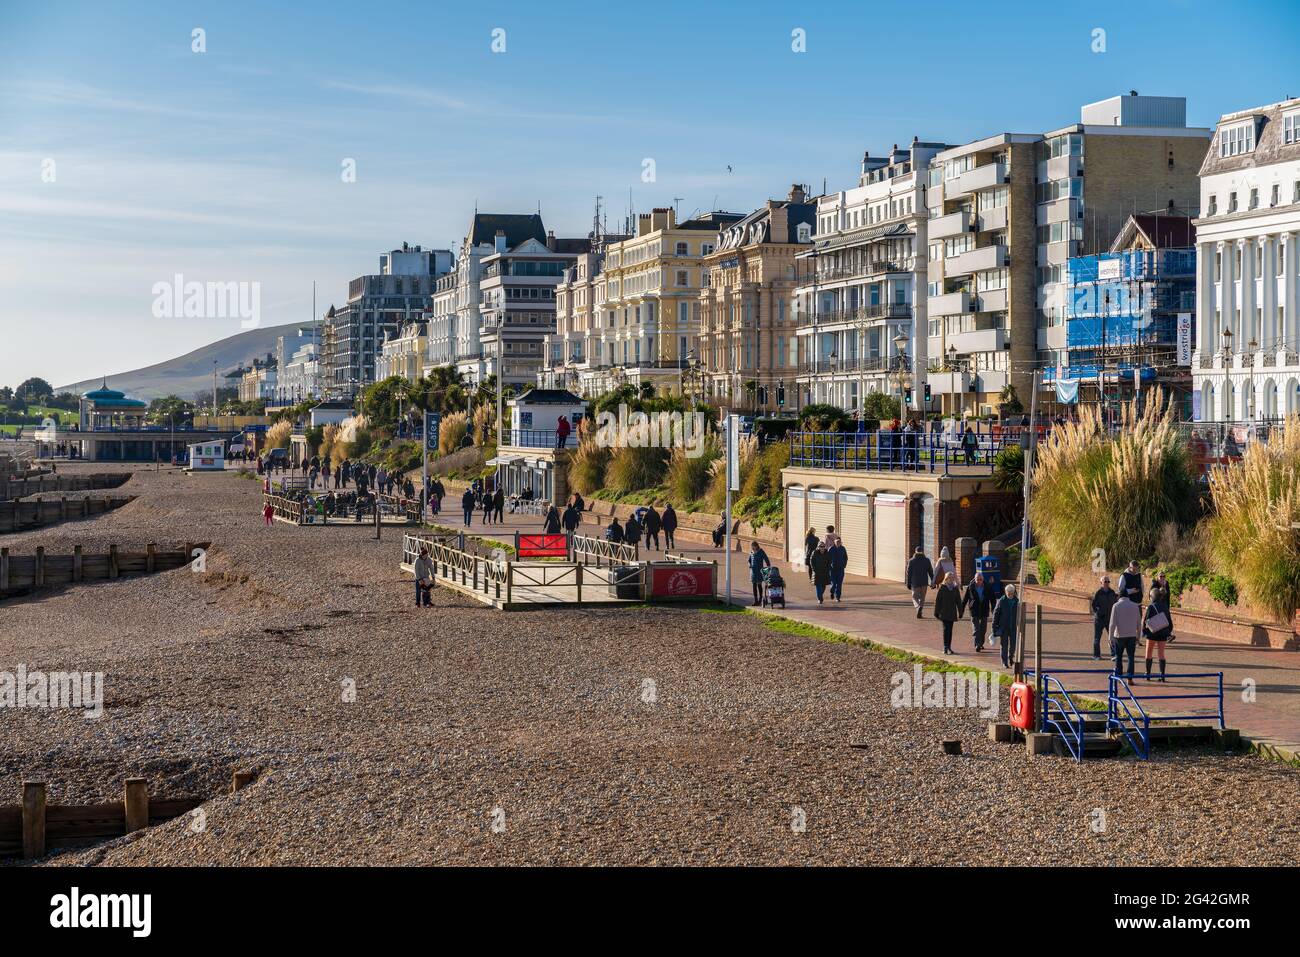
<point x="1184" y="338"/>
<point x="733" y="452"/>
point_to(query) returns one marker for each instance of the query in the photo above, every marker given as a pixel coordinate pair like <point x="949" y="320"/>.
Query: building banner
<point x="1185" y="339"/>
<point x="1067" y="391"/>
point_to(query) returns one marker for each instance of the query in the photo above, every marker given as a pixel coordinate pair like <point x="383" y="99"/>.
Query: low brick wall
<point x="1197" y="613"/>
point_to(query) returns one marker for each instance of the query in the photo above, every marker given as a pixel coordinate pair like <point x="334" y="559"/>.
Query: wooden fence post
<point x="63" y="507"/>
<point x="77" y="566"/>
<point x="4" y="569"/>
<point x="33" y="819"/>
<point x="38" y="571"/>
<point x="150" y="557"/>
<point x="578" y="573"/>
<point x="112" y="561"/>
<point x="136" y="800"/>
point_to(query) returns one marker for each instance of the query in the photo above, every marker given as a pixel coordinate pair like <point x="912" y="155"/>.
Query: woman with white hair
<point x="944" y="567"/>
<point x="1006" y="619"/>
<point x="947" y="608"/>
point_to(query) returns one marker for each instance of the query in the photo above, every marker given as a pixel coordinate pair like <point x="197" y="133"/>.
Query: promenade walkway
<point x="882" y="612"/>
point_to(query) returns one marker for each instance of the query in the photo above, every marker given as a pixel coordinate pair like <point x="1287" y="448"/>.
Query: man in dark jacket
<point x="499" y="505"/>
<point x="919" y="578"/>
<point x="467" y="506"/>
<point x="978" y="602"/>
<point x="669" y="522"/>
<point x="839" y="564"/>
<point x="652" y="525"/>
<point x="632" y="531"/>
<point x="1103" y="600"/>
<point x="1006" y="623"/>
<point x="614" y="531"/>
<point x="570" y="519"/>
<point x="1130" y="583"/>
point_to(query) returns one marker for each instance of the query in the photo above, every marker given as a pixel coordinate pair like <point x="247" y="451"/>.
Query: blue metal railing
<point x="1138" y="736"/>
<point x="534" y="438"/>
<point x="1068" y="724"/>
<point x="888" y="451"/>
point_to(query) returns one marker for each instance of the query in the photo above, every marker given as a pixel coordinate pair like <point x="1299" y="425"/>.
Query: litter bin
<point x="625" y="582"/>
<point x="991" y="568"/>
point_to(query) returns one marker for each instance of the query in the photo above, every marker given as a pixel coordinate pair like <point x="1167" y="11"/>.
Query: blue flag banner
<point x="1067" y="391"/>
<point x="432" y="421"/>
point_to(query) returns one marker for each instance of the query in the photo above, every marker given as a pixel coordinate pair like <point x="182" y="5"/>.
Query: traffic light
<point x="762" y="395"/>
<point x="780" y="394"/>
<point x="907" y="395"/>
<point x="927" y="393"/>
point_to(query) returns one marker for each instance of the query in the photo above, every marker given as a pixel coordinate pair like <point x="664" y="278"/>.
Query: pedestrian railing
<point x="888" y="451"/>
<point x="399" y="507"/>
<point x="589" y="550"/>
<point x="1124" y="713"/>
<point x="1060" y="715"/>
<point x="532" y="506"/>
<point x="285" y="509"/>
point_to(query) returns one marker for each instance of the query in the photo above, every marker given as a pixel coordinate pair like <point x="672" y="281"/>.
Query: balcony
<point x="976" y="260"/>
<point x="949" y="383"/>
<point x="992" y="219"/>
<point x="949" y="304"/>
<point x="950" y="225"/>
<point x="827" y="366"/>
<point x="981" y="177"/>
<point x="877" y="267"/>
<point x="863" y="314"/>
<point x="1063" y="210"/>
<point x="991" y="300"/>
<point x="979" y="340"/>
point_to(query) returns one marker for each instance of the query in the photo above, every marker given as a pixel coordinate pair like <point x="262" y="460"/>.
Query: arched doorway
<point x="1269" y="405"/>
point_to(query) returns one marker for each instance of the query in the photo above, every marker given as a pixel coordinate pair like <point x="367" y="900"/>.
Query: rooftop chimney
<point x="797" y="195"/>
<point x="550" y="240"/>
<point x="500" y="239"/>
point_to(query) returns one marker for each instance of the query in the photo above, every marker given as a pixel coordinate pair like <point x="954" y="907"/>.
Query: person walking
<point x="1158" y="624"/>
<point x="970" y="443"/>
<point x="424" y="580"/>
<point x="268" y="513"/>
<point x="1130" y="583"/>
<point x="669" y="523"/>
<point x="652" y="525"/>
<point x="758" y="561"/>
<point x="839" y="564"/>
<point x="1006" y="621"/>
<point x="944" y="567"/>
<point x="551" y="525"/>
<point x="562" y="430"/>
<point x="978" y="603"/>
<point x="919" y="578"/>
<point x="570" y="519"/>
<point x="325" y="474"/>
<point x="467" y="506"/>
<point x="499" y="505"/>
<point x="488" y="504"/>
<point x="948" y="608"/>
<point x="821" y="571"/>
<point x="1125" y="623"/>
<point x="1103" y="600"/>
<point x="614" y="531"/>
<point x="810" y="542"/>
<point x="632" y="530"/>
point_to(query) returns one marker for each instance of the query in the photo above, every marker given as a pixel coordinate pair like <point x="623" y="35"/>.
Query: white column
<point x="1205" y="329"/>
<point x="1248" y="297"/>
<point x="1268" y="332"/>
<point x="1227" y="290"/>
<point x="1291" y="277"/>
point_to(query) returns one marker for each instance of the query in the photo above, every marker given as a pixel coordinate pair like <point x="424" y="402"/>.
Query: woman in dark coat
<point x="819" y="567"/>
<point x="552" y="524"/>
<point x="1163" y="630"/>
<point x="810" y="543"/>
<point x="947" y="608"/>
<point x="669" y="522"/>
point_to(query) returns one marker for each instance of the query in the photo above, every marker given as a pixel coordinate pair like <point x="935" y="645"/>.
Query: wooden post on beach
<point x="112" y="561"/>
<point x="38" y="572"/>
<point x="135" y="799"/>
<point x="4" y="569"/>
<point x="33" y="819"/>
<point x="78" y="567"/>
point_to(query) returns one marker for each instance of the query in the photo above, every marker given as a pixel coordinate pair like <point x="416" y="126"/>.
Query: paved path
<point x="882" y="611"/>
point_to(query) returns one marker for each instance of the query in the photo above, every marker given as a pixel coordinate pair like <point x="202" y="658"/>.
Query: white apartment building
<point x="865" y="292"/>
<point x="1246" y="364"/>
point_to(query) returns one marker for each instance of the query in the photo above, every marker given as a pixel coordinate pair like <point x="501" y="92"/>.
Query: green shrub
<point x="823" y="417"/>
<point x="633" y="467"/>
<point x="688" y="477"/>
<point x="1009" y="469"/>
<point x="1222" y="589"/>
<point x="1046" y="570"/>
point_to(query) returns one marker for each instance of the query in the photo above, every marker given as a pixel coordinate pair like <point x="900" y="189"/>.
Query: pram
<point x="773" y="588"/>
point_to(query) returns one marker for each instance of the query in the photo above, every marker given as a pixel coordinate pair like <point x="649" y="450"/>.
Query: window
<point x="1291" y="127"/>
<point x="1254" y="197"/>
<point x="683" y="249"/>
<point x="1232" y="202"/>
<point x="1237" y="139"/>
<point x="682" y="278"/>
<point x="1214" y="205"/>
<point x="706" y="248"/>
<point x="1276" y="196"/>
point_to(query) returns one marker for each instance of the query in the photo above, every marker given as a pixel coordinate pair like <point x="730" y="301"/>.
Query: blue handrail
<point x="1071" y="731"/>
<point x="1139" y="738"/>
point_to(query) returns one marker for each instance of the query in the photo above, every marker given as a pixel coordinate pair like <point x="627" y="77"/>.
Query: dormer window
<point x="1237" y="139"/>
<point x="1291" y="127"/>
<point x="805" y="232"/>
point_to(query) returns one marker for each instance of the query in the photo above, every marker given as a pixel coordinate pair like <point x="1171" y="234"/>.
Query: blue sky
<point x="225" y="166"/>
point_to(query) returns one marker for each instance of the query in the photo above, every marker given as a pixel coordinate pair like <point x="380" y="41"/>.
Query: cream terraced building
<point x="747" y="339"/>
<point x="865" y="284"/>
<point x="1246" y="364"/>
<point x="645" y="303"/>
<point x="403" y="354"/>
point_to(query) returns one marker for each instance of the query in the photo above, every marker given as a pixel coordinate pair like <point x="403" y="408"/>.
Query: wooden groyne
<point x="33" y="513"/>
<point x="15" y="488"/>
<point x="20" y="574"/>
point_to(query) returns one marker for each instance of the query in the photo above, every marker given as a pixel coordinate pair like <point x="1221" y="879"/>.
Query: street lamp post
<point x="1250" y="379"/>
<point x="1227" y="374"/>
<point x="900" y="345"/>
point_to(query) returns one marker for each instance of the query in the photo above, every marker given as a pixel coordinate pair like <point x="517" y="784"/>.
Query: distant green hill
<point x="191" y="374"/>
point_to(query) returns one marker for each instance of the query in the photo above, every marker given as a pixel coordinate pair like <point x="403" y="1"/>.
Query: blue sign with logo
<point x="432" y="421"/>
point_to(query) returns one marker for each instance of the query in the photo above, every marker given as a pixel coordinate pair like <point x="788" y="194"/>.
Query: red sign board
<point x="542" y="546"/>
<point x="682" y="581"/>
